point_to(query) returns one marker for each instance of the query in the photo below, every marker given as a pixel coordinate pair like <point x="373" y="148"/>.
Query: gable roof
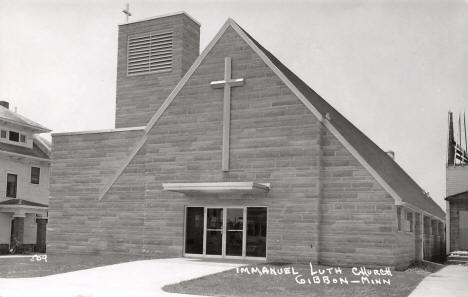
<point x="463" y="195"/>
<point x="386" y="171"/>
<point x="35" y="151"/>
<point x="17" y="119"/>
<point x="406" y="188"/>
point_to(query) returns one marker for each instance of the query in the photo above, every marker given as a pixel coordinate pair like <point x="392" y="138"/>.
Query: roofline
<point x="455" y="195"/>
<point x="43" y="144"/>
<point x="25" y="156"/>
<point x="98" y="131"/>
<point x="322" y="118"/>
<point x="231" y="23"/>
<point x="419" y="210"/>
<point x="164" y="106"/>
<point x="163" y="16"/>
<point x="36" y="128"/>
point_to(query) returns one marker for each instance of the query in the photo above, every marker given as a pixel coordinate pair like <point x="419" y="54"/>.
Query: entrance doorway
<point x="225" y="232"/>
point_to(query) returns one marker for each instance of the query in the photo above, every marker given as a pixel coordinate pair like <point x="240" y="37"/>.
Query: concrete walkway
<point x="139" y="278"/>
<point x="450" y="281"/>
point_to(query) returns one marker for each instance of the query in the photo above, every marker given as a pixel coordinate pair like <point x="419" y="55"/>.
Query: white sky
<point x="394" y="68"/>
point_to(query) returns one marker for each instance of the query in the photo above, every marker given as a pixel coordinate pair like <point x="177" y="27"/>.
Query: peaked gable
<point x="17" y="119"/>
<point x="387" y="172"/>
<point x="396" y="180"/>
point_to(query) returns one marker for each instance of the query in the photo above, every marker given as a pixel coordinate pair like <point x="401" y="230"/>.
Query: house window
<point x="35" y="173"/>
<point x="14" y="136"/>
<point x="11" y="185"/>
<point x="3" y="133"/>
<point x="22" y="138"/>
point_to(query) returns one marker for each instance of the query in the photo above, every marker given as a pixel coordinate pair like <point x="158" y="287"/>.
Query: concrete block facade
<point x="82" y="165"/>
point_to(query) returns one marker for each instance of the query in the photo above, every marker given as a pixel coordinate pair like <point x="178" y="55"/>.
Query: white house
<point x="24" y="182"/>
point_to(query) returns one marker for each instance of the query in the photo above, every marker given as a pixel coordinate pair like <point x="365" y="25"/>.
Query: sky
<point x="393" y="68"/>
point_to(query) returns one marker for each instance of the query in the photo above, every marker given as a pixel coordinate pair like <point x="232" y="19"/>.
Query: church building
<point x="228" y="154"/>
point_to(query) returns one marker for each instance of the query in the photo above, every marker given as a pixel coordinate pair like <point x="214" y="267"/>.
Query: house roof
<point x="385" y="166"/>
<point x="463" y="195"/>
<point x="22" y="202"/>
<point x="15" y="118"/>
<point x="35" y="151"/>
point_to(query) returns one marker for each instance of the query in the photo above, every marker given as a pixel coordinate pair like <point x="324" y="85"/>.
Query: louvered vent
<point x="151" y="52"/>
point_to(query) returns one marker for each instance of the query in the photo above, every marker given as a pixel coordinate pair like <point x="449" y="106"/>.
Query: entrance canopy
<point x="19" y="207"/>
<point x="218" y="187"/>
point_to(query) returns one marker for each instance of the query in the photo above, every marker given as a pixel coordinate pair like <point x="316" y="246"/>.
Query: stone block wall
<point x="82" y="165"/>
<point x="358" y="217"/>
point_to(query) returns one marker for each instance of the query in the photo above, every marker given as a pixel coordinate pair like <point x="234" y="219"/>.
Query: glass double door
<point x="224" y="231"/>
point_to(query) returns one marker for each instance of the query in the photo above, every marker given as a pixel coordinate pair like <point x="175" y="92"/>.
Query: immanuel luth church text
<point x="229" y="154"/>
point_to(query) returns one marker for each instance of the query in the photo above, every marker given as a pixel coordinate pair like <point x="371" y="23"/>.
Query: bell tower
<point x="153" y="55"/>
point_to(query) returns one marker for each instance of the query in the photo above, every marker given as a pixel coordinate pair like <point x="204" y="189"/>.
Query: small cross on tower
<point x="227" y="84"/>
<point x="126" y="11"/>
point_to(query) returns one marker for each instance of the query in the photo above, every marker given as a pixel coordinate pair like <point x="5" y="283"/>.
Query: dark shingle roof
<point x="33" y="152"/>
<point x="13" y="117"/>
<point x="386" y="167"/>
<point x="463" y="195"/>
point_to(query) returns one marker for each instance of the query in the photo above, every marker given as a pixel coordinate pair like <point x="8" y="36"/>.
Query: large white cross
<point x="227" y="84"/>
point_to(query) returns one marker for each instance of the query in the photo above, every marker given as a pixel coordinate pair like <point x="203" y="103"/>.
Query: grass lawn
<point x="24" y="267"/>
<point x="231" y="283"/>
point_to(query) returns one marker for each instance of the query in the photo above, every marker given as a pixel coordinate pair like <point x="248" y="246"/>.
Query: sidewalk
<point x="139" y="278"/>
<point x="450" y="281"/>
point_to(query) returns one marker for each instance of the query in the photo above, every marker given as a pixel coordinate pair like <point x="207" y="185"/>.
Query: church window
<point x="35" y="173"/>
<point x="22" y="138"/>
<point x="14" y="136"/>
<point x="3" y="133"/>
<point x="11" y="185"/>
<point x="150" y="52"/>
<point x="399" y="217"/>
<point x="409" y="222"/>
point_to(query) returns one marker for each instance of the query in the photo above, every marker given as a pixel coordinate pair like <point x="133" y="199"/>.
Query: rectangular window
<point x="35" y="173"/>
<point x="399" y="217"/>
<point x="150" y="52"/>
<point x="3" y="133"/>
<point x="256" y="231"/>
<point x="14" y="136"/>
<point x="194" y="230"/>
<point x="11" y="185"/>
<point x="409" y="222"/>
<point x="22" y="138"/>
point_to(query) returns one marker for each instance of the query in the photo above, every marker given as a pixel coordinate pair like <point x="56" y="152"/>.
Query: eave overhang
<point x="218" y="187"/>
<point x="20" y="207"/>
<point x="458" y="196"/>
